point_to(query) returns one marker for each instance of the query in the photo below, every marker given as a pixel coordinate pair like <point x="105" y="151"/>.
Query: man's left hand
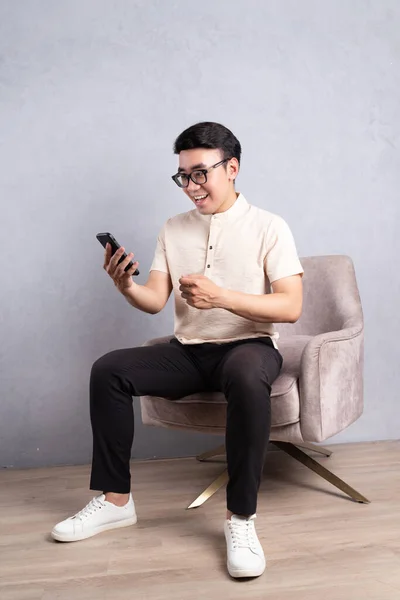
<point x="199" y="291"/>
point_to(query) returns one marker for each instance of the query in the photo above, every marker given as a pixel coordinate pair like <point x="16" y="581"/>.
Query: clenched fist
<point x="199" y="291"/>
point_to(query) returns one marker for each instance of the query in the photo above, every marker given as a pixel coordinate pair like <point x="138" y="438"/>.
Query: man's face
<point x="217" y="194"/>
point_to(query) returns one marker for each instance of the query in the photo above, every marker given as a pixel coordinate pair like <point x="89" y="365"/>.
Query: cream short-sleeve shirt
<point x="244" y="249"/>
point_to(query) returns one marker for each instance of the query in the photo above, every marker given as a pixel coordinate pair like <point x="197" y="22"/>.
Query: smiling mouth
<point x="200" y="199"/>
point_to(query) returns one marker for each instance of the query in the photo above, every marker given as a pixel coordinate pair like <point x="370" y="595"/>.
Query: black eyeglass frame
<point x="204" y="171"/>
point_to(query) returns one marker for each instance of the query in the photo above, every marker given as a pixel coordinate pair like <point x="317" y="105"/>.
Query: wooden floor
<point x="318" y="544"/>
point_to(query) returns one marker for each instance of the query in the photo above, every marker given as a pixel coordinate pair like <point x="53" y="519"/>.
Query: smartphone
<point x="108" y="238"/>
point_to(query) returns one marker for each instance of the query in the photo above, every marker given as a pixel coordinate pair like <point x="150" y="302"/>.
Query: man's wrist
<point x="129" y="292"/>
<point x="224" y="299"/>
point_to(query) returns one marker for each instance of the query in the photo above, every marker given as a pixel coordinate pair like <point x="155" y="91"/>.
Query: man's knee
<point x="248" y="380"/>
<point x="105" y="367"/>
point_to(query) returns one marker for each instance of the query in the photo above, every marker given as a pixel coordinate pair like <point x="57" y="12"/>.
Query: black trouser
<point x="244" y="371"/>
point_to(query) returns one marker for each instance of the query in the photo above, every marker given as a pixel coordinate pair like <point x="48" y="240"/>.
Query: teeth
<point x="200" y="197"/>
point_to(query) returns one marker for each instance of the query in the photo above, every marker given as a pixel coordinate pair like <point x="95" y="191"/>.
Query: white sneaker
<point x="98" y="516"/>
<point x="245" y="554"/>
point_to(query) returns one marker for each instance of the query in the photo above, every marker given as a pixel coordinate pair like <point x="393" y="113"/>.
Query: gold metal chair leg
<point x="312" y="464"/>
<point x="220" y="450"/>
<point x="211" y="453"/>
<point x="314" y="448"/>
<point x="214" y="487"/>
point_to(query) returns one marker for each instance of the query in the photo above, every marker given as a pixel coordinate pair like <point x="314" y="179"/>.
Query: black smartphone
<point x="108" y="238"/>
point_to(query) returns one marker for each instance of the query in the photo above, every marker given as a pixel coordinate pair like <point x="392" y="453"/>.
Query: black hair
<point x="209" y="135"/>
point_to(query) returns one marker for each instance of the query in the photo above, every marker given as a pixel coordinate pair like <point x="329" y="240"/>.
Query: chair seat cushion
<point x="207" y="411"/>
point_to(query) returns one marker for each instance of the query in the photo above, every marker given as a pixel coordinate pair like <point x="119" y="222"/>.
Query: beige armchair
<point x="320" y="389"/>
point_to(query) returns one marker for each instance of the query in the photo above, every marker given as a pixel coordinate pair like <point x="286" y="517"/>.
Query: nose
<point x="192" y="187"/>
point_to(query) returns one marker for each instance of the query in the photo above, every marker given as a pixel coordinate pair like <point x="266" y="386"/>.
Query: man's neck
<point x="228" y="203"/>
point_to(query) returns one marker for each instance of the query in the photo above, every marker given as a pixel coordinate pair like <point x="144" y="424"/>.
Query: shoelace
<point x="89" y="509"/>
<point x="242" y="534"/>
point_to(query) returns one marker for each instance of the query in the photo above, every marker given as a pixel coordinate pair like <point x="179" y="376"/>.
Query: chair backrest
<point x="331" y="298"/>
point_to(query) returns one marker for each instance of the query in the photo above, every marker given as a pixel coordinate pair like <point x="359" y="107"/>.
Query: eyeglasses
<point x="199" y="176"/>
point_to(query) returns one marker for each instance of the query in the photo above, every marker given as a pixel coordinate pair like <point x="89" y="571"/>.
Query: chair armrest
<point x="331" y="383"/>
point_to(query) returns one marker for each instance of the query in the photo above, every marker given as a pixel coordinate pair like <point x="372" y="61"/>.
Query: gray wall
<point x="92" y="95"/>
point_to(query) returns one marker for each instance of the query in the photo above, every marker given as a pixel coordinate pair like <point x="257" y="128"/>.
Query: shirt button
<point x="208" y="266"/>
<point x="210" y="247"/>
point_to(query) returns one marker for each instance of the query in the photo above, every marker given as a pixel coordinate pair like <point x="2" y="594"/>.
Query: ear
<point x="233" y="168"/>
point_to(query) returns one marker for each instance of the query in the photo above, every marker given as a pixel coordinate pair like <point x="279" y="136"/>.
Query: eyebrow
<point x="193" y="167"/>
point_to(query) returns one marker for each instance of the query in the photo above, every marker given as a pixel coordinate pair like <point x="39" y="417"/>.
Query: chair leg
<point x="312" y="464"/>
<point x="210" y="453"/>
<point x="214" y="487"/>
<point x="220" y="450"/>
<point x="314" y="448"/>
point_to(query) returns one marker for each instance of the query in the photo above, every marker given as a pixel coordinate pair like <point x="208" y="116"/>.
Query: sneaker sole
<point x="60" y="537"/>
<point x="246" y="572"/>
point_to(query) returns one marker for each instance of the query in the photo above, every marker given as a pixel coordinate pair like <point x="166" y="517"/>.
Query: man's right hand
<point x="122" y="280"/>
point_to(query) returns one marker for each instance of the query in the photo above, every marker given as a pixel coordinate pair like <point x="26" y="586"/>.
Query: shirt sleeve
<point x="281" y="258"/>
<point x="160" y="262"/>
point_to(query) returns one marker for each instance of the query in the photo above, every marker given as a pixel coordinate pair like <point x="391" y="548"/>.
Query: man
<point x="234" y="271"/>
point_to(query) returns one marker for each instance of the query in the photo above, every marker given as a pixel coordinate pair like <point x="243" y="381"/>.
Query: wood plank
<point x="318" y="543"/>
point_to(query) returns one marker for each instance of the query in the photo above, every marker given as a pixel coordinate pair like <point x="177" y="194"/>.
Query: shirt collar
<point x="238" y="209"/>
